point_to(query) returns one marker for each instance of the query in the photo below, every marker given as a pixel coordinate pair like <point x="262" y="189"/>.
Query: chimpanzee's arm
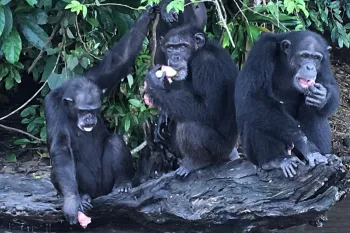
<point x="59" y="143"/>
<point x="271" y="120"/>
<point x="117" y="62"/>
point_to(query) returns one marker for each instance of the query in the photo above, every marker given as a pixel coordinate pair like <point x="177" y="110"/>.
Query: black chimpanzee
<point x="284" y="95"/>
<point x="193" y="15"/>
<point x="88" y="161"/>
<point x="205" y="130"/>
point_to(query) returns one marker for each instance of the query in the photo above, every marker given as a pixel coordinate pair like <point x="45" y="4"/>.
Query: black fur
<point x="86" y="165"/>
<point x="272" y="115"/>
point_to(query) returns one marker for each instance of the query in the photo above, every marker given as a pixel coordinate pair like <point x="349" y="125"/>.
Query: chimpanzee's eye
<point x="304" y="55"/>
<point x="317" y="57"/>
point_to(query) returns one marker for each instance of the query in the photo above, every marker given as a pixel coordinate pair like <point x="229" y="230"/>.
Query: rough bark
<point x="232" y="197"/>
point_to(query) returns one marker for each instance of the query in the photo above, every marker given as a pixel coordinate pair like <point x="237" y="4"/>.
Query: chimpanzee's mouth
<point x="86" y="128"/>
<point x="305" y="83"/>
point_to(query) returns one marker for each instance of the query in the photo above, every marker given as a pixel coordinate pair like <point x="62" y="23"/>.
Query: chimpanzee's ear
<point x="104" y="90"/>
<point x="200" y="39"/>
<point x="329" y="48"/>
<point x="285" y="45"/>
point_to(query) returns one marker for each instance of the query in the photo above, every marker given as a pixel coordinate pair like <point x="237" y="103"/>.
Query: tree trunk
<point x="232" y="197"/>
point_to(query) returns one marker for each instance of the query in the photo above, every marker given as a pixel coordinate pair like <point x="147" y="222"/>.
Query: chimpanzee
<point x="205" y="131"/>
<point x="284" y="95"/>
<point x="88" y="161"/>
<point x="194" y="15"/>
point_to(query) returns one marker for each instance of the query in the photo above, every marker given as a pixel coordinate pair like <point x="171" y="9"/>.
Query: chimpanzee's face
<point x="305" y="59"/>
<point x="178" y="48"/>
<point x="84" y="108"/>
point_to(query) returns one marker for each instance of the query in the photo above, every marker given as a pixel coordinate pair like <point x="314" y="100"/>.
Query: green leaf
<point x="253" y="33"/>
<point x="130" y="80"/>
<point x="84" y="62"/>
<point x="72" y="62"/>
<point x="84" y="11"/>
<point x="8" y="20"/>
<point x="21" y="141"/>
<point x="43" y="133"/>
<point x="30" y="111"/>
<point x="3" y="72"/>
<point x="55" y="80"/>
<point x="135" y="102"/>
<point x="11" y="158"/>
<point x="50" y="64"/>
<point x="9" y="83"/>
<point x="126" y="123"/>
<point x="2" y="19"/>
<point x="4" y="2"/>
<point x="32" y="2"/>
<point x="347" y="26"/>
<point x="16" y="75"/>
<point x="12" y="46"/>
<point x="69" y="33"/>
<point x="35" y="35"/>
<point x="93" y="22"/>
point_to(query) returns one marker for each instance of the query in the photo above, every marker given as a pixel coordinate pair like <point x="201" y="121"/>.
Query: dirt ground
<point x="33" y="159"/>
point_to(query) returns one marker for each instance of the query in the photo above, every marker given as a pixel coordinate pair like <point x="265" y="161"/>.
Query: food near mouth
<point x="169" y="73"/>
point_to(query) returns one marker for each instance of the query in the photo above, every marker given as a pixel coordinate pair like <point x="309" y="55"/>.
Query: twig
<point x="81" y="40"/>
<point x="112" y="4"/>
<point x="43" y="49"/>
<point x="35" y="94"/>
<point x="20" y="131"/>
<point x="139" y="148"/>
<point x="154" y="40"/>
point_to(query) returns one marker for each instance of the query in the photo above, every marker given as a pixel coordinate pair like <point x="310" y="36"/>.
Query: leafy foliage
<point x="63" y="38"/>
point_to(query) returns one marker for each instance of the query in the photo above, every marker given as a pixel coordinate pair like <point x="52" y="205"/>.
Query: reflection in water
<point x="338" y="222"/>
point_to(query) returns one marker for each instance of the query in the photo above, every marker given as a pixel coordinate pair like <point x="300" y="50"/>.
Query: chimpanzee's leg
<point x="201" y="146"/>
<point x="117" y="165"/>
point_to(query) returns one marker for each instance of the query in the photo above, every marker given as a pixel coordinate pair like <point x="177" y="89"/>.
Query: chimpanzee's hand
<point x="153" y="81"/>
<point x="169" y="17"/>
<point x="151" y="11"/>
<point x="316" y="96"/>
<point x="70" y="208"/>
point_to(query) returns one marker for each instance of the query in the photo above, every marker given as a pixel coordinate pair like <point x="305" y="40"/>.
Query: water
<point x="338" y="222"/>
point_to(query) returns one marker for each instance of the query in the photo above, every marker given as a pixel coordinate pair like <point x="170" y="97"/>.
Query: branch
<point x="81" y="40"/>
<point x="139" y="148"/>
<point x="20" y="131"/>
<point x="154" y="35"/>
<point x="43" y="49"/>
<point x="230" y="197"/>
<point x="113" y="4"/>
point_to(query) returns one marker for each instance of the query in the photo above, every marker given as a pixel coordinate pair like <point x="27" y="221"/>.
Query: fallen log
<point x="232" y="197"/>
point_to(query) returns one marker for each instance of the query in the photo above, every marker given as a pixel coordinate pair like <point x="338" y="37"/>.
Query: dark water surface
<point x="338" y="222"/>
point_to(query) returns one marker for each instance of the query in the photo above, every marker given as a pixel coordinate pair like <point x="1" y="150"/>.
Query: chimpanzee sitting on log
<point x="284" y="95"/>
<point x="88" y="161"/>
<point x="205" y="129"/>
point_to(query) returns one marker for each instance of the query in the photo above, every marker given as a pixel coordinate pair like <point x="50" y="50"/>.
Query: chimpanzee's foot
<point x="316" y="158"/>
<point x="85" y="203"/>
<point x="287" y="164"/>
<point x="123" y="188"/>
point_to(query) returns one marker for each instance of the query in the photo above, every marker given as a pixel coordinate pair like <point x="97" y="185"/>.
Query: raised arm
<point x="119" y="59"/>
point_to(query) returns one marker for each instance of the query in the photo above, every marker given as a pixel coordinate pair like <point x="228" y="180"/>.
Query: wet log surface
<point x="232" y="197"/>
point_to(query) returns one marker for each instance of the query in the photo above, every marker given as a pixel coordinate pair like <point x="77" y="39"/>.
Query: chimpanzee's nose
<point x="310" y="67"/>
